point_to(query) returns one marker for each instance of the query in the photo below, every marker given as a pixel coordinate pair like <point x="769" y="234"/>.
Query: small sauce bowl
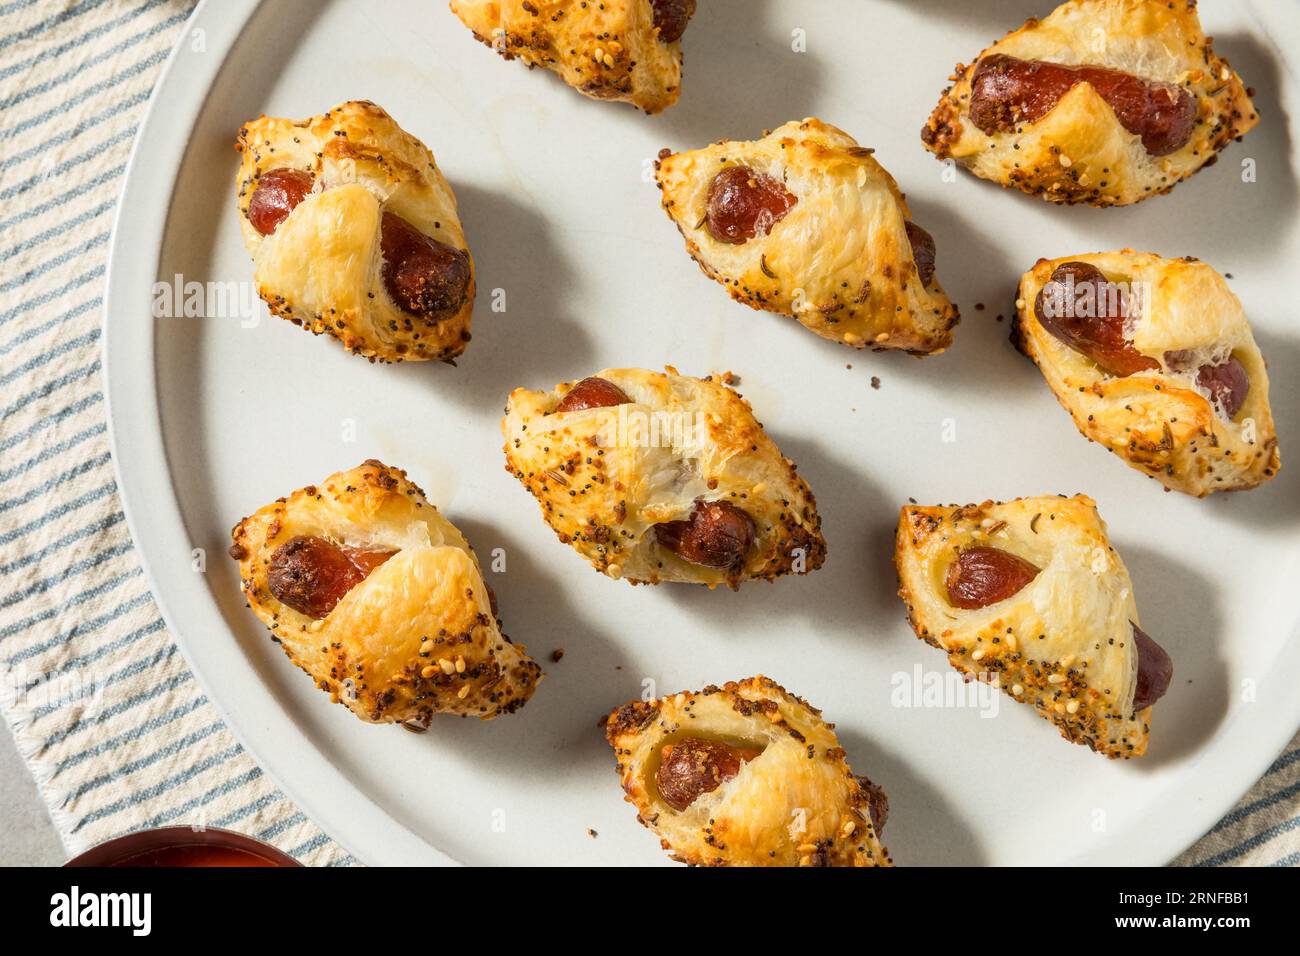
<point x="183" y="846"/>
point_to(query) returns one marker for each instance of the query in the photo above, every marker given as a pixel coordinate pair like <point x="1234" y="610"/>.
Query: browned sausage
<point x="922" y="251"/>
<point x="1227" y="382"/>
<point x="877" y="803"/>
<point x="694" y="766"/>
<point x="311" y="575"/>
<point x="717" y="535"/>
<point x="1006" y="91"/>
<point x="744" y="203"/>
<point x="1155" y="670"/>
<point x="277" y="192"/>
<point x="982" y="576"/>
<point x="425" y="277"/>
<point x="671" y="17"/>
<point x="1087" y="312"/>
<point x="592" y="392"/>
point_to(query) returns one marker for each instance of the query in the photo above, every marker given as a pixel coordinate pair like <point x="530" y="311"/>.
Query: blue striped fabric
<point x="116" y="731"/>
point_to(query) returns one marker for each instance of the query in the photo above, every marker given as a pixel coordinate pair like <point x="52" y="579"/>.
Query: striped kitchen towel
<point x="113" y="726"/>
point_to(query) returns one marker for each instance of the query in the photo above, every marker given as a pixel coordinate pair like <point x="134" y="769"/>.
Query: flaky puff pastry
<point x="1079" y="151"/>
<point x="607" y="477"/>
<point x="839" y="259"/>
<point x="1064" y="643"/>
<point x="416" y="636"/>
<point x="796" y="803"/>
<point x="325" y="265"/>
<point x="624" y="50"/>
<point x="1162" y="421"/>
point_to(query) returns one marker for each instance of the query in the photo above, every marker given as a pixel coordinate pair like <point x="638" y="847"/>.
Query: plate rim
<point x="154" y="519"/>
<point x="131" y="409"/>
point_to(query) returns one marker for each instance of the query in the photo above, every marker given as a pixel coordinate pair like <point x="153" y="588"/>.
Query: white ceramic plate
<point x="212" y="419"/>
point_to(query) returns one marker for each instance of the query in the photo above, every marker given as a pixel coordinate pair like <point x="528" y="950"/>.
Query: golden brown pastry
<point x="661" y="477"/>
<point x="624" y="50"/>
<point x="1030" y="595"/>
<point x="354" y="233"/>
<point x="1154" y="359"/>
<point x="746" y="774"/>
<point x="380" y="599"/>
<point x="1104" y="102"/>
<point x="805" y="222"/>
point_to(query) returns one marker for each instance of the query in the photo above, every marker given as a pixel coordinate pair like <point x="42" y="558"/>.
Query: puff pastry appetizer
<point x="661" y="477"/>
<point x="1104" y="102"/>
<point x="1154" y="359"/>
<point x="379" y="598"/>
<point x="746" y="775"/>
<point x="354" y="233"/>
<point x="624" y="50"/>
<point x="1031" y="593"/>
<point x="805" y="222"/>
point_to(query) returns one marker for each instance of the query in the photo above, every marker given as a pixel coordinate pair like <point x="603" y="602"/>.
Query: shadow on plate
<point x="974" y="270"/>
<point x="1273" y="507"/>
<point x="535" y="342"/>
<point x="847" y="594"/>
<point x="1180" y="613"/>
<point x="557" y="727"/>
<point x="740" y="78"/>
<point x="988" y="20"/>
<point x="923" y="827"/>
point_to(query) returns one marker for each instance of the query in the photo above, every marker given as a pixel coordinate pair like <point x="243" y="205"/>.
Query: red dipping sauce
<point x="196" y="855"/>
<point x="183" y="847"/>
